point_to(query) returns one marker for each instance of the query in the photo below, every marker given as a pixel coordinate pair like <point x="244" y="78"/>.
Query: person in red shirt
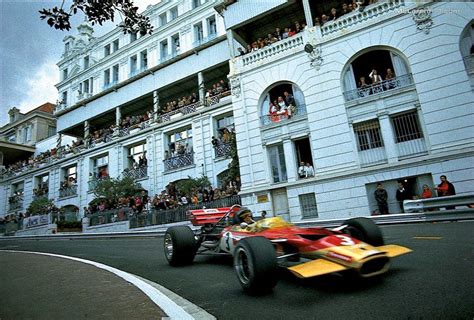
<point x="445" y="188"/>
<point x="427" y="193"/>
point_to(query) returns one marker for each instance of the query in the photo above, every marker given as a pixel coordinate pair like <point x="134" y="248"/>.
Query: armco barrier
<point x="420" y="205"/>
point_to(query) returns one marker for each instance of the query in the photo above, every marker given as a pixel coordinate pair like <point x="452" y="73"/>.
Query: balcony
<point x="217" y="98"/>
<point x="179" y="161"/>
<point x="15" y="202"/>
<point x="399" y="82"/>
<point x="68" y="191"/>
<point x="290" y="44"/>
<point x="372" y="156"/>
<point x="410" y="148"/>
<point x="283" y="116"/>
<point x="84" y="95"/>
<point x="355" y="18"/>
<point x="135" y="173"/>
<point x="191" y="108"/>
<point x="222" y="150"/>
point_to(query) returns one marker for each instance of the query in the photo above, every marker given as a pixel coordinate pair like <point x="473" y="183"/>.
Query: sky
<point x="29" y="51"/>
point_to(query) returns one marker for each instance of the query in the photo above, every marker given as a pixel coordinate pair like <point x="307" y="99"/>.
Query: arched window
<point x="375" y="72"/>
<point x="283" y="101"/>
<point x="467" y="48"/>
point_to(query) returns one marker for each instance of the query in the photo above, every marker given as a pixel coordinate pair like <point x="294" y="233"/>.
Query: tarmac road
<point x="433" y="282"/>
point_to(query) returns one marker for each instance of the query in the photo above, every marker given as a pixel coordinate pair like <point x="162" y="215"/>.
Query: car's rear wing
<point x="201" y="217"/>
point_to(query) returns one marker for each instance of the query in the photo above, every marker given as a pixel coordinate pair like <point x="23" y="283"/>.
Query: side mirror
<point x="244" y="225"/>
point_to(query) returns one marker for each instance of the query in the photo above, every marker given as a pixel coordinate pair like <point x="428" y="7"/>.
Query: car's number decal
<point x="346" y="241"/>
<point x="227" y="240"/>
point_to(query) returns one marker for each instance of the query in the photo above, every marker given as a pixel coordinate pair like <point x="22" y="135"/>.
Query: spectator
<point x="309" y="170"/>
<point x="381" y="197"/>
<point x="402" y="195"/>
<point x="376" y="78"/>
<point x="241" y="51"/>
<point x="445" y="188"/>
<point x="301" y="170"/>
<point x="427" y="193"/>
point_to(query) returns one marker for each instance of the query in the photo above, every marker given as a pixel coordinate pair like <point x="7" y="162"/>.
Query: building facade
<point x="126" y="97"/>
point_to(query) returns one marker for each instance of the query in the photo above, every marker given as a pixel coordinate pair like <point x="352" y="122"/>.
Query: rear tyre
<point x="364" y="229"/>
<point x="256" y="265"/>
<point x="179" y="245"/>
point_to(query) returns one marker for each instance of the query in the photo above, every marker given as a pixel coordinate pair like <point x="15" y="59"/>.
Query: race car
<point x="260" y="248"/>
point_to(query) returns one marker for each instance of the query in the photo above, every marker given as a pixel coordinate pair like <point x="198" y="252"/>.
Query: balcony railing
<point x="223" y="150"/>
<point x="83" y="95"/>
<point x="136" y="173"/>
<point x="68" y="191"/>
<point x="469" y="63"/>
<point x="179" y="161"/>
<point x="411" y="147"/>
<point x="273" y="49"/>
<point x="191" y="108"/>
<point x="217" y="98"/>
<point x="15" y="203"/>
<point x="379" y="88"/>
<point x="284" y="116"/>
<point x="373" y="11"/>
<point x="372" y="156"/>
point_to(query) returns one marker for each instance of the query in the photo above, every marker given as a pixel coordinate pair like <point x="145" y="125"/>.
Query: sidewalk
<point x="37" y="286"/>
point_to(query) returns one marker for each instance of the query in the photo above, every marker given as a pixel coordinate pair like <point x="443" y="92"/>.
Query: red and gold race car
<point x="260" y="248"/>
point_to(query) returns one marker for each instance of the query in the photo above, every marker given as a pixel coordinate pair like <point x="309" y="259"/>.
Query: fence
<point x="157" y="217"/>
<point x="109" y="216"/>
<point x="435" y="204"/>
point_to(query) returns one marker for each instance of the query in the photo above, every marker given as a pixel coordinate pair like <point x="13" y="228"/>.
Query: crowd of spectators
<point x="346" y="8"/>
<point x="168" y="199"/>
<point x="377" y="83"/>
<point x="284" y="107"/>
<point x="41" y="191"/>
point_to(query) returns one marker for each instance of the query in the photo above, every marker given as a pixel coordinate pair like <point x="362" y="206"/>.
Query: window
<point x="51" y="131"/>
<point x="65" y="74"/>
<point x="85" y="86"/>
<point x="181" y="142"/>
<point x="175" y="49"/>
<point x="86" y="62"/>
<point x="162" y="18"/>
<point x="43" y="182"/>
<point x="406" y="127"/>
<point x="71" y="173"/>
<point x="212" y="26"/>
<point x="174" y="13"/>
<point x="282" y="102"/>
<point x="198" y="33"/>
<point x="136" y="155"/>
<point x="64" y="97"/>
<point x="67" y="46"/>
<point x="309" y="209"/>
<point x="115" y="45"/>
<point x="115" y="73"/>
<point x="133" y="37"/>
<point x="196" y="3"/>
<point x="107" y="50"/>
<point x="368" y="135"/>
<point x="106" y="77"/>
<point x="133" y="65"/>
<point x="303" y="154"/>
<point x="143" y="60"/>
<point x="164" y="49"/>
<point x="277" y="163"/>
<point x="101" y="167"/>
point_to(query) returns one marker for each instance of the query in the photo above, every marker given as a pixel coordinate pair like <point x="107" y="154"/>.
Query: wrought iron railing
<point x="179" y="161"/>
<point x="15" y="202"/>
<point x="158" y="217"/>
<point x="223" y="149"/>
<point x="379" y="88"/>
<point x="136" y="173"/>
<point x="109" y="216"/>
<point x="217" y="98"/>
<point x="68" y="191"/>
<point x="284" y="116"/>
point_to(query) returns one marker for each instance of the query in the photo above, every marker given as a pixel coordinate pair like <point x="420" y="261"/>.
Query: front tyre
<point x="179" y="245"/>
<point x="256" y="265"/>
<point x="365" y="230"/>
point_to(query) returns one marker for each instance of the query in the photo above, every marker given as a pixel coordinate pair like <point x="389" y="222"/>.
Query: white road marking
<point x="173" y="310"/>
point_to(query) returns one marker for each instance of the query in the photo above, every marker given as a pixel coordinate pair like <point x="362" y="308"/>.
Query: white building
<point x="411" y="129"/>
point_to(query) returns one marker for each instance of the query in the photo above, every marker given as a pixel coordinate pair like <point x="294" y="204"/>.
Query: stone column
<point x="118" y="115"/>
<point x="202" y="89"/>
<point x="230" y="43"/>
<point x="307" y="13"/>
<point x="156" y="104"/>
<point x="290" y="161"/>
<point x="86" y="128"/>
<point x="388" y="137"/>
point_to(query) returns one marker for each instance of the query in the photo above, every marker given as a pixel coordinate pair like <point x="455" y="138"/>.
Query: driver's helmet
<point x="241" y="214"/>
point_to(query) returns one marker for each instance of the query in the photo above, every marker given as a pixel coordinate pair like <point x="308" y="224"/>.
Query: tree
<point x="112" y="189"/>
<point x="39" y="206"/>
<point x="98" y="12"/>
<point x="187" y="186"/>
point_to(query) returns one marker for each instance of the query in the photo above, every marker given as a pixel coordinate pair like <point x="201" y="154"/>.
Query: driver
<point x="245" y="215"/>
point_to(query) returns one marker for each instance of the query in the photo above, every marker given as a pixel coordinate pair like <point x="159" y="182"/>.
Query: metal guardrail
<point x="438" y="203"/>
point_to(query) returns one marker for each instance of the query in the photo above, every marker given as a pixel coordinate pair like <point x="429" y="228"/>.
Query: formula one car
<point x="259" y="248"/>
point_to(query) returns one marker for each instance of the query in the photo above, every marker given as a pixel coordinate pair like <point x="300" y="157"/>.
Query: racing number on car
<point x="346" y="241"/>
<point x="227" y="240"/>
